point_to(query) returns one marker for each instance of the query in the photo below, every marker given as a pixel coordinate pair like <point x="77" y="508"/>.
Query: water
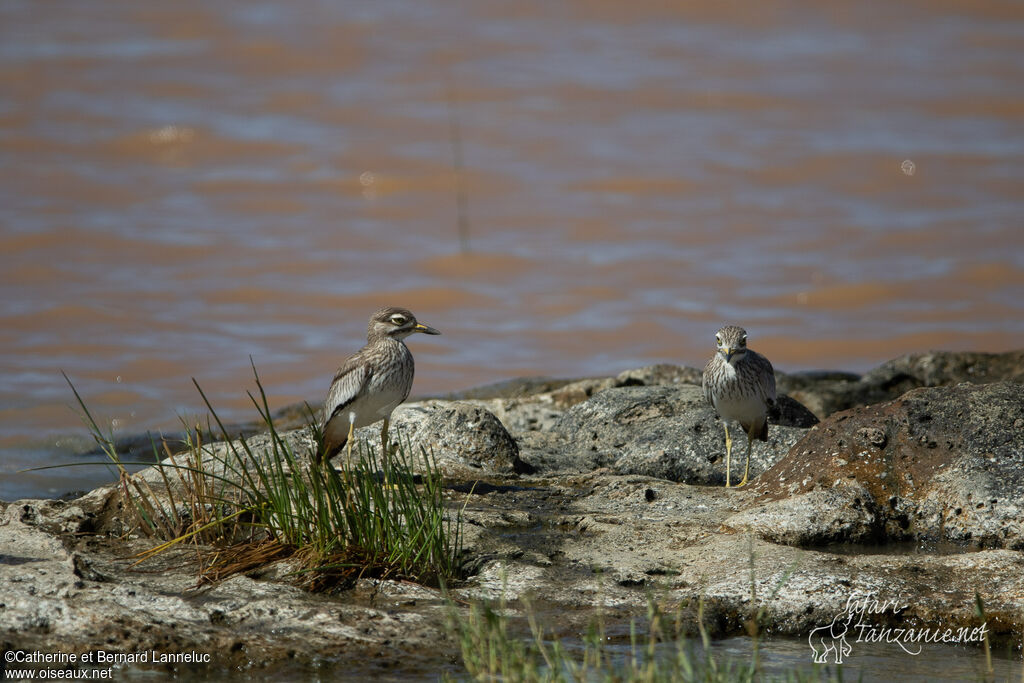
<point x="186" y="186"/>
<point x="779" y="657"/>
<point x="879" y="662"/>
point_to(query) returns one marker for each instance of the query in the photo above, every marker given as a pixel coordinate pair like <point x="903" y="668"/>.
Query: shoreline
<point x="598" y="492"/>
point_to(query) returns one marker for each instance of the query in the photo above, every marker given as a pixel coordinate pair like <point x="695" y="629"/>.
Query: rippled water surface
<point x="187" y="185"/>
<point x="780" y="658"/>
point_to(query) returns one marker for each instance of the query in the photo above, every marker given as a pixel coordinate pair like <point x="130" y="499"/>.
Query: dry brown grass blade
<point x="243" y="557"/>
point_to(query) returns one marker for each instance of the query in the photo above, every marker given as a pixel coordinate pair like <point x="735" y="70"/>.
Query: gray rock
<point x="578" y="392"/>
<point x="662" y="431"/>
<point x="944" y="368"/>
<point x="535" y="404"/>
<point x="570" y="543"/>
<point x="546" y="452"/>
<point x="825" y="393"/>
<point x="518" y="387"/>
<point x="521" y="415"/>
<point x="788" y="412"/>
<point x="70" y="594"/>
<point x="845" y="513"/>
<point x="663" y="374"/>
<point x="464" y="439"/>
<point x="618" y="539"/>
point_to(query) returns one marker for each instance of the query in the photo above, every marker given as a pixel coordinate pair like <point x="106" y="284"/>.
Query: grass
<point x="242" y="504"/>
<point x="658" y="648"/>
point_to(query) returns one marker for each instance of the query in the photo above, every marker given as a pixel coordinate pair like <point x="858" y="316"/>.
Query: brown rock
<point x="939" y="462"/>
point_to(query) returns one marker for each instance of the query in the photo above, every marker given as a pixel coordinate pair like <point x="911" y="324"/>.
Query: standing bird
<point x="740" y="384"/>
<point x="371" y="382"/>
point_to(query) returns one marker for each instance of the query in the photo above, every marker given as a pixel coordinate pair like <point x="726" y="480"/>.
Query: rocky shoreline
<point x="906" y="483"/>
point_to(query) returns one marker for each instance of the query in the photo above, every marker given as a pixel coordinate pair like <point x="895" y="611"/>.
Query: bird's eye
<point x="398" y="320"/>
<point x="718" y="340"/>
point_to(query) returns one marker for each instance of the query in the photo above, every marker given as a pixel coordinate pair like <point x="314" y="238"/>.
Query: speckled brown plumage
<point x="740" y="384"/>
<point x="372" y="382"/>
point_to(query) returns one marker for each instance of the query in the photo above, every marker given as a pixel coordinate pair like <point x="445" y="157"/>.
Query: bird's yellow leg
<point x="384" y="449"/>
<point x="746" y="471"/>
<point x="351" y="431"/>
<point x="348" y="464"/>
<point x="728" y="453"/>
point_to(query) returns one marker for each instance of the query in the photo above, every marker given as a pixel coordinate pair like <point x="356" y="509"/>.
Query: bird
<point x="739" y="383"/>
<point x="371" y="383"/>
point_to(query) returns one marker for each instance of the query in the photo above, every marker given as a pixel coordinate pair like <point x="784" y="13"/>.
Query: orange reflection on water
<point x="190" y="185"/>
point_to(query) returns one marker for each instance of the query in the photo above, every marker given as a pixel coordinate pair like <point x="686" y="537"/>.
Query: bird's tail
<point x="760" y="432"/>
<point x="329" y="449"/>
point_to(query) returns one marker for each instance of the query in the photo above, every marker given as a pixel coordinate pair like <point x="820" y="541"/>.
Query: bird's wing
<point x="706" y="382"/>
<point x="348" y="384"/>
<point x="766" y="378"/>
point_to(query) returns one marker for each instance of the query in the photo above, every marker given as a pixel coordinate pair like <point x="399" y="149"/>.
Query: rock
<point x="789" y="412"/>
<point x="570" y="544"/>
<point x="845" y="513"/>
<point x="591" y="528"/>
<point x="518" y="387"/>
<point x="86" y="597"/>
<point x="943" y="368"/>
<point x="464" y="439"/>
<point x="546" y="453"/>
<point x="662" y="374"/>
<point x="825" y="393"/>
<point x="943" y="463"/>
<point x="533" y="404"/>
<point x="662" y="431"/>
<point x="520" y="415"/>
<point x="622" y="538"/>
<point x="578" y="392"/>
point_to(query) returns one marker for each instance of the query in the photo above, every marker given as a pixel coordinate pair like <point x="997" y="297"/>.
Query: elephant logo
<point x="831" y="639"/>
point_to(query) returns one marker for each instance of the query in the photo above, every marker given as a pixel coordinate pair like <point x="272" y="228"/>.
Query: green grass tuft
<point x="658" y="648"/>
<point x="242" y="505"/>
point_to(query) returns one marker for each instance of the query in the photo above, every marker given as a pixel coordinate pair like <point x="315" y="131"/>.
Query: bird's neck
<point x="384" y="339"/>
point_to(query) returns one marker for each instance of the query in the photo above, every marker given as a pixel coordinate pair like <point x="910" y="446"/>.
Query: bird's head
<point x="732" y="343"/>
<point x="397" y="323"/>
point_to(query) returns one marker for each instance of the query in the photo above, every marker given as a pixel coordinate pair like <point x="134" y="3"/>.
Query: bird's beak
<point x="727" y="352"/>
<point x="425" y="329"/>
